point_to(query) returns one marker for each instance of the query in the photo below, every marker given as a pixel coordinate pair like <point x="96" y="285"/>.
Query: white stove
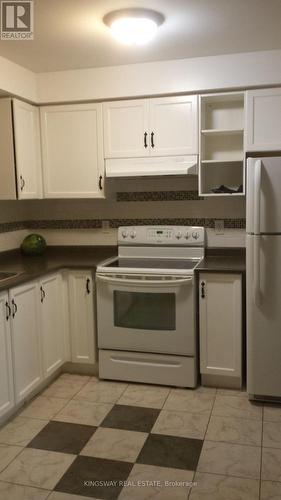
<point x="146" y="306"/>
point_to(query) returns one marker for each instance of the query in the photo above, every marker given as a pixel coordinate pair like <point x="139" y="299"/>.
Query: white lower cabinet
<point x="220" y="326"/>
<point x="81" y="310"/>
<point x="6" y="367"/>
<point x="26" y="346"/>
<point x="43" y="324"/>
<point x="51" y="321"/>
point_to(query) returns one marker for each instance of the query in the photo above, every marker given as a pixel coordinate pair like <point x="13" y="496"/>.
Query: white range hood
<point x="152" y="166"/>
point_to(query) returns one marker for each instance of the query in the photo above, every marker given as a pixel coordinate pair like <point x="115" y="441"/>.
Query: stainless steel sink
<point x="7" y="275"/>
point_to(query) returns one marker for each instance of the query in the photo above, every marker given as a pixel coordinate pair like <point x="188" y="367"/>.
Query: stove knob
<point x="195" y="235"/>
<point x="124" y="234"/>
<point x="133" y="234"/>
<point x="187" y="236"/>
<point x="178" y="235"/>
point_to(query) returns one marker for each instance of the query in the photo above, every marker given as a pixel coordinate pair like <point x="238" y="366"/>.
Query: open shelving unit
<point x="222" y="156"/>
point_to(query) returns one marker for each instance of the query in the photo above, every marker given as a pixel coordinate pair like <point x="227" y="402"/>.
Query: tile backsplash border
<point x="6" y="227"/>
<point x="128" y="196"/>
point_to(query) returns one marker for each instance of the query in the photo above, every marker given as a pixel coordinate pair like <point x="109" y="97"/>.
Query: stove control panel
<point x="162" y="235"/>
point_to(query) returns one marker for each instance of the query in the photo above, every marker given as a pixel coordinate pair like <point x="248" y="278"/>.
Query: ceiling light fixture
<point x="133" y="26"/>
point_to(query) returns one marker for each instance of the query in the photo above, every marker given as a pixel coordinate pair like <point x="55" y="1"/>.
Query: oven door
<point x="146" y="313"/>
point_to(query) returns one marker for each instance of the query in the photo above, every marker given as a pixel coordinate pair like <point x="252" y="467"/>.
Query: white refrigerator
<point x="263" y="250"/>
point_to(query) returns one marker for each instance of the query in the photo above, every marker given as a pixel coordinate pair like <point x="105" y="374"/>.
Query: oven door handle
<point x="141" y="282"/>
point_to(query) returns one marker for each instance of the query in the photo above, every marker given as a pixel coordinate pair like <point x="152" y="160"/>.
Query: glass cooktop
<point x="141" y="263"/>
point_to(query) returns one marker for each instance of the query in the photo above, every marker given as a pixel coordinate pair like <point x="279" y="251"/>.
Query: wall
<point x="18" y="81"/>
<point x="134" y="201"/>
<point x="199" y="74"/>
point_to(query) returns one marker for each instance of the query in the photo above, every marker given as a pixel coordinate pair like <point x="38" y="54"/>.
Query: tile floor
<point x="106" y="440"/>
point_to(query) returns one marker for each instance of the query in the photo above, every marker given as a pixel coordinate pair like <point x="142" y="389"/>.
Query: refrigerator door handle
<point x="256" y="281"/>
<point x="257" y="191"/>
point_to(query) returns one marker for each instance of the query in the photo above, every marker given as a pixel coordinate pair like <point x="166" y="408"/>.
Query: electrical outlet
<point x="105" y="226"/>
<point x="219" y="226"/>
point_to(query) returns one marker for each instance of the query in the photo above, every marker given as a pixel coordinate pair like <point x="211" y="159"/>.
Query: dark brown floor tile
<point x="87" y="476"/>
<point x="170" y="451"/>
<point x="63" y="437"/>
<point x="131" y="418"/>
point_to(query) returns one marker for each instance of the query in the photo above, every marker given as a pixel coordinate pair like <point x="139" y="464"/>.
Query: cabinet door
<point x="27" y="149"/>
<point x="72" y="151"/>
<point x="8" y="186"/>
<point x="82" y="325"/>
<point x="263" y="120"/>
<point x="51" y="322"/>
<point x="126" y="133"/>
<point x="174" y="126"/>
<point x="6" y="369"/>
<point x="26" y="347"/>
<point x="220" y="322"/>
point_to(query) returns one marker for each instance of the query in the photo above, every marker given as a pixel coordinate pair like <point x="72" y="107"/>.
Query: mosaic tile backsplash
<point x="158" y="196"/>
<point x="115" y="223"/>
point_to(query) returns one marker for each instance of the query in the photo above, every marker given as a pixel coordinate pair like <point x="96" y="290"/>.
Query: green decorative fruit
<point x="33" y="244"/>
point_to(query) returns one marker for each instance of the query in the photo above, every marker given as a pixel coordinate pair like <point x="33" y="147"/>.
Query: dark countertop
<point x="55" y="258"/>
<point x="87" y="257"/>
<point x="223" y="260"/>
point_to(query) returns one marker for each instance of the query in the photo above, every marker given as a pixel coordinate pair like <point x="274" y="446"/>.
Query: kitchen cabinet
<point x="173" y="126"/>
<point x="263" y="120"/>
<point x="26" y="345"/>
<point x="221" y="139"/>
<point x="126" y="128"/>
<point x="72" y="151"/>
<point x="27" y="150"/>
<point x="20" y="156"/>
<point x="82" y="322"/>
<point x="51" y="322"/>
<point x="151" y="127"/>
<point x="220" y="328"/>
<point x="6" y="367"/>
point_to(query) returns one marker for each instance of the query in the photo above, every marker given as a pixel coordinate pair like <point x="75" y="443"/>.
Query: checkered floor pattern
<point x="111" y="440"/>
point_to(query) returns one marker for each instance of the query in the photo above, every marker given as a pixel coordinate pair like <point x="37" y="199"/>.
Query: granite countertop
<point x="224" y="260"/>
<point x="54" y="259"/>
<point x="87" y="257"/>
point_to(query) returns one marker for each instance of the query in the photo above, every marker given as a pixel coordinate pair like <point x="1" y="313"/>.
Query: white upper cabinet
<point x="72" y="151"/>
<point x="8" y="184"/>
<point x="173" y="126"/>
<point x="26" y="345"/>
<point x="126" y="128"/>
<point x="263" y="120"/>
<point x="51" y="321"/>
<point x="221" y="144"/>
<point x="151" y="127"/>
<point x="27" y="150"/>
<point x="6" y="368"/>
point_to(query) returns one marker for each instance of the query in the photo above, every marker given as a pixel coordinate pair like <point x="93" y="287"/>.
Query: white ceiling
<point x="69" y="34"/>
